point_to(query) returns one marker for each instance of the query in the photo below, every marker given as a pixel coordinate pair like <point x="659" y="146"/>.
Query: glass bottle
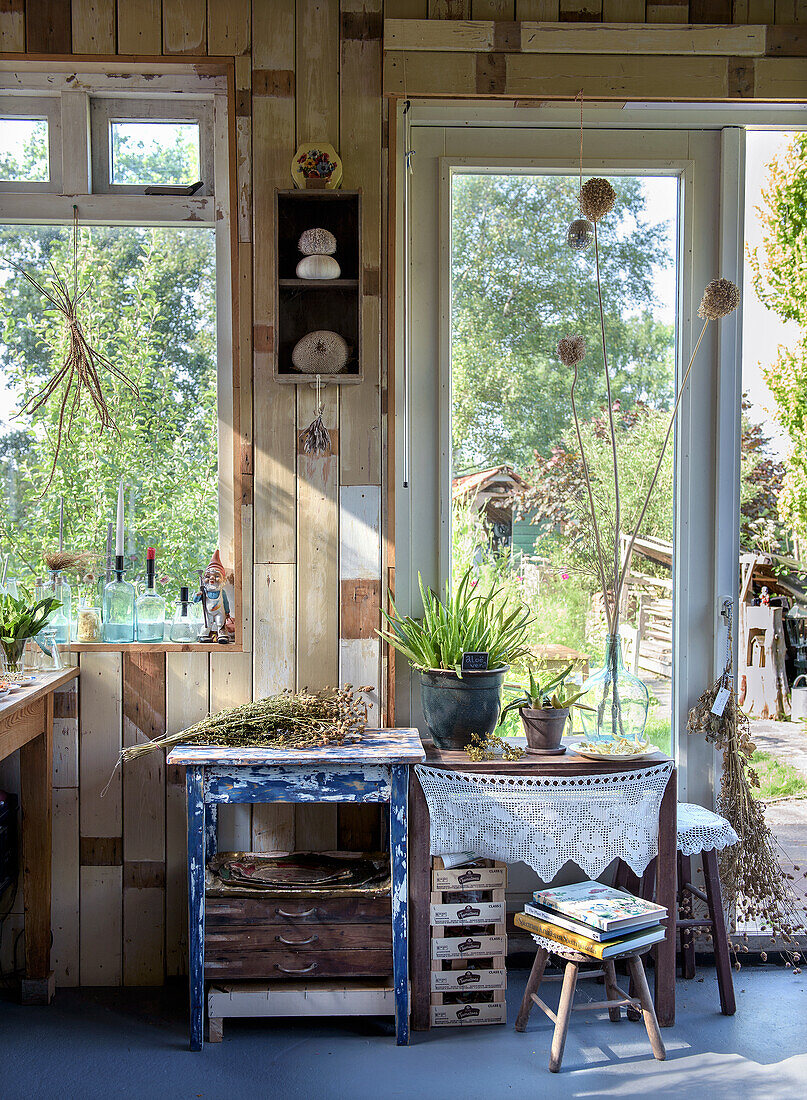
<point x="620" y="699"/>
<point x="188" y="620"/>
<point x="150" y="607"/>
<point x="119" y="607"/>
<point x="57" y="588"/>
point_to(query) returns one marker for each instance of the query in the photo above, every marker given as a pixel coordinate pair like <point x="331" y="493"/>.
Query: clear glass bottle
<point x="618" y="698"/>
<point x="150" y="607"/>
<point x="188" y="620"/>
<point x="119" y="607"/>
<point x="57" y="588"/>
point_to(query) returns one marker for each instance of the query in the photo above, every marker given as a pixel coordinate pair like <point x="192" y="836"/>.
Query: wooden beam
<point x="414" y="35"/>
<point x="562" y="76"/>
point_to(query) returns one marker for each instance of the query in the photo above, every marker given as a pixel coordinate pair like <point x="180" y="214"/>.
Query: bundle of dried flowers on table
<point x="290" y="720"/>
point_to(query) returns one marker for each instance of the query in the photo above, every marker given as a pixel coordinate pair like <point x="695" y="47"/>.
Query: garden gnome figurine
<point x="215" y="605"/>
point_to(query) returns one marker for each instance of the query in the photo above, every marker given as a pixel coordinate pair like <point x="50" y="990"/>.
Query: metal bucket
<point x="798" y="700"/>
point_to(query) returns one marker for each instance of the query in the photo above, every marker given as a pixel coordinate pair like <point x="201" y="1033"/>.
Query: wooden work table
<point x="569" y="764"/>
<point x="26" y="725"/>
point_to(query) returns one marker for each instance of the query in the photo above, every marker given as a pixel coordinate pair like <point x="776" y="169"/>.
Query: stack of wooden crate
<point x="468" y="944"/>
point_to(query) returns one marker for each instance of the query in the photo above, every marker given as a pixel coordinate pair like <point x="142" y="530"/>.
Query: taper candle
<point x="119" y="534"/>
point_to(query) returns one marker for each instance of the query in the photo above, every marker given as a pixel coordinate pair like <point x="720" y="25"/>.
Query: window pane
<point x="151" y="311"/>
<point x="24" y="150"/>
<point x="154" y="153"/>
<point x="520" y="512"/>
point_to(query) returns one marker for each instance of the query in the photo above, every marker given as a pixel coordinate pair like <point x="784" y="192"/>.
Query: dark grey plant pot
<point x="544" y="728"/>
<point x="455" y="709"/>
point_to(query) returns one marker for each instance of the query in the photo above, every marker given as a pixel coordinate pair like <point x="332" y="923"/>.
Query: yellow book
<point x="583" y="944"/>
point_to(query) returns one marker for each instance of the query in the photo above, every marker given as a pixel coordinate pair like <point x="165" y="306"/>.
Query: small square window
<point x="154" y="153"/>
<point x="24" y="150"/>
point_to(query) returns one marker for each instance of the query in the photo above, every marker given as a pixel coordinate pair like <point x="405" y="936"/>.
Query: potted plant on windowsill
<point x="459" y="704"/>
<point x="19" y="621"/>
<point x="544" y="711"/>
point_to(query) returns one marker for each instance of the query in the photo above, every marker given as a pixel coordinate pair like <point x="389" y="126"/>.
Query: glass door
<point x="486" y="442"/>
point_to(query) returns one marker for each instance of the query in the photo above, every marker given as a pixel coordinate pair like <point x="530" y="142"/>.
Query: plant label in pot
<point x="475" y="662"/>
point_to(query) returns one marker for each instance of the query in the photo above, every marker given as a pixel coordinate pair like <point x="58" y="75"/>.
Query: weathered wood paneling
<point x="12" y="26"/>
<point x="140" y="27"/>
<point x="93" y="26"/>
<point x="184" y="27"/>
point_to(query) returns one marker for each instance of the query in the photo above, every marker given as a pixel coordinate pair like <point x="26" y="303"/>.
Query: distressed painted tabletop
<point x="388" y="746"/>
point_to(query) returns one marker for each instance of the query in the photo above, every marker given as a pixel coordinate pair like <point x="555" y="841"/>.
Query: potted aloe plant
<point x="457" y="703"/>
<point x="544" y="710"/>
<point x="19" y="621"/>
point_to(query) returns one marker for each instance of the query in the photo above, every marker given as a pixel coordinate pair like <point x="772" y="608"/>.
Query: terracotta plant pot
<point x="544" y="729"/>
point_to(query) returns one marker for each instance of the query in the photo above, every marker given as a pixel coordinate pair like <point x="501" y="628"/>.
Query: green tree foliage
<point x="151" y="310"/>
<point x="517" y="288"/>
<point x="780" y="280"/>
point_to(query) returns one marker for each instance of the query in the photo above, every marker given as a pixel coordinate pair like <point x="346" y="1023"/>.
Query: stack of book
<point x="594" y="919"/>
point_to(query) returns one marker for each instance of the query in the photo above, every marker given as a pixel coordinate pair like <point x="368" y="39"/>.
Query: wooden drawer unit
<point x="301" y="937"/>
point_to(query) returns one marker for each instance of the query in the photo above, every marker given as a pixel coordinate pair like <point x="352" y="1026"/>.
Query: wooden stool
<point x="616" y="996"/>
<point x="697" y="827"/>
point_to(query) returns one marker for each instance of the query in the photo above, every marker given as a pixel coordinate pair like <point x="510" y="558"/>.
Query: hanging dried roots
<point x="80" y="373"/>
<point x="316" y="439"/>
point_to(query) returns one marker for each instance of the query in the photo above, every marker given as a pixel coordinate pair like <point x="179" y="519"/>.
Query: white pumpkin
<point x="318" y="267"/>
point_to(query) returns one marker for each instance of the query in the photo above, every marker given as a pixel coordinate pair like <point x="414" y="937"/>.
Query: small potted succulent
<point x="459" y="704"/>
<point x="544" y="710"/>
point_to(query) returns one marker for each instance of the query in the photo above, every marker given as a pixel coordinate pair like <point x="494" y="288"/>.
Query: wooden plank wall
<point x="311" y="528"/>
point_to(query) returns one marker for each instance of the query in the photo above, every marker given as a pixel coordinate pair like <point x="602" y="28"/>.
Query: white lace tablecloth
<point x="547" y="820"/>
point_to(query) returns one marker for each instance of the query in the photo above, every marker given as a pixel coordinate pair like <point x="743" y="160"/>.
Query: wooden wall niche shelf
<point x="308" y="305"/>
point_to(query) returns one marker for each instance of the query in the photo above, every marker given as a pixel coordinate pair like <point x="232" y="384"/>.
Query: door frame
<point x="706" y="515"/>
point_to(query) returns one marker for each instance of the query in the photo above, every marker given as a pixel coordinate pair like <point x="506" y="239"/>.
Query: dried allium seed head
<point x="597" y="198"/>
<point x="720" y="298"/>
<point x="571" y="350"/>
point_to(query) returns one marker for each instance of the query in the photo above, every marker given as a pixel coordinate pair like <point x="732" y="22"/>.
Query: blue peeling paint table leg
<point x="197" y="833"/>
<point x="399" y="790"/>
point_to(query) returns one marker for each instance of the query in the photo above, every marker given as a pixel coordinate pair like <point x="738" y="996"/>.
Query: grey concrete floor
<point x="133" y="1043"/>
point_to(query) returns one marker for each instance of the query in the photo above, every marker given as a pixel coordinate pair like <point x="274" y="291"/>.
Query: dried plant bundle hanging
<point x="290" y="720"/>
<point x="83" y="369"/>
<point x="751" y="875"/>
<point x="316" y="438"/>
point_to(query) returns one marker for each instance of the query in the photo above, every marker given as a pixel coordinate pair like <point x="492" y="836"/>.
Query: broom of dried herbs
<point x="754" y="883"/>
<point x="83" y="368"/>
<point x="290" y="720"/>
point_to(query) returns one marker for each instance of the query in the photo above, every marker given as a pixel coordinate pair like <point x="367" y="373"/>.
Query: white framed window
<point x="121" y="148"/>
<point x="31" y="146"/>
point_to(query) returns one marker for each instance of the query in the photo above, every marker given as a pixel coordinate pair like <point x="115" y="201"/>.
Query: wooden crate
<point x="469" y="944"/>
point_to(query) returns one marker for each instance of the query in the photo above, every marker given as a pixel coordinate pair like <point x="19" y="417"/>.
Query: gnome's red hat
<point x="215" y="563"/>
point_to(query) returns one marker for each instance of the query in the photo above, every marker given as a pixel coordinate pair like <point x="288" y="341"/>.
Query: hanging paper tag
<point x="721" y="699"/>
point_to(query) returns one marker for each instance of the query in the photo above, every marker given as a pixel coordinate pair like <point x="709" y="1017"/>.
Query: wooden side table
<point x="567" y="765"/>
<point x="374" y="769"/>
<point x="26" y="724"/>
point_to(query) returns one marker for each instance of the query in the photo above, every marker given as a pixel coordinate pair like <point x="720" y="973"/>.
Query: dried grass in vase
<point x="753" y="881"/>
<point x="290" y="720"/>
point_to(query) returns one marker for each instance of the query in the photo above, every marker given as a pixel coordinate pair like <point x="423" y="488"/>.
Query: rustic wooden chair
<point x="616" y="997"/>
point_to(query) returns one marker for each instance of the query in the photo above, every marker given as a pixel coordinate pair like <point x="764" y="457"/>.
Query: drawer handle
<point x="304" y="970"/>
<point x="297" y="943"/>
<point x="307" y="913"/>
